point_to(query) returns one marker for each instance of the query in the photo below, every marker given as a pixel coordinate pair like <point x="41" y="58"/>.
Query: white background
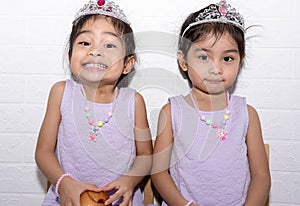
<point x="32" y="42"/>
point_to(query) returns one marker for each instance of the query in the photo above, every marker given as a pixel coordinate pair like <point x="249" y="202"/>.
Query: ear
<point x="129" y="64"/>
<point x="181" y="61"/>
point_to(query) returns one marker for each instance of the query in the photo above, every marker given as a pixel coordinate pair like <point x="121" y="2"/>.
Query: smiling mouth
<point x="97" y="66"/>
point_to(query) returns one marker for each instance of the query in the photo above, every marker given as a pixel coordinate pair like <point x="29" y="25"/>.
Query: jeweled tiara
<point x="219" y="12"/>
<point x="102" y="7"/>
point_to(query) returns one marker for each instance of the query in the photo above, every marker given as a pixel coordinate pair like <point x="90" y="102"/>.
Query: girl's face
<point x="212" y="64"/>
<point x="98" y="53"/>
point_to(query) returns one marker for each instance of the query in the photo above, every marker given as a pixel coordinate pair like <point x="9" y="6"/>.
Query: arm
<point x="161" y="161"/>
<point x="45" y="150"/>
<point x="259" y="167"/>
<point x="142" y="164"/>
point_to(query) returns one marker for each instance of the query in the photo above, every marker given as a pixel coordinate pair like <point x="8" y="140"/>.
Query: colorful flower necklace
<point x="96" y="125"/>
<point x="221" y="133"/>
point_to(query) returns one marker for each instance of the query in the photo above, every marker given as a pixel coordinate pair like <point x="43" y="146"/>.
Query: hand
<point x="124" y="188"/>
<point x="70" y="191"/>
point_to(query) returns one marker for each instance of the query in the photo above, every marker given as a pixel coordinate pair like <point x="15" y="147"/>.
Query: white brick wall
<point x="33" y="36"/>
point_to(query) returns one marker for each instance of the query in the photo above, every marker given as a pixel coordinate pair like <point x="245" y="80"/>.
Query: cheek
<point x="195" y="74"/>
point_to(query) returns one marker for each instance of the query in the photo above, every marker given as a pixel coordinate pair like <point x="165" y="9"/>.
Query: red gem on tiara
<point x="101" y="2"/>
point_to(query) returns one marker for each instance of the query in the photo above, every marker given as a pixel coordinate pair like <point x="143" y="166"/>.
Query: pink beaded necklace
<point x="96" y="125"/>
<point x="221" y="132"/>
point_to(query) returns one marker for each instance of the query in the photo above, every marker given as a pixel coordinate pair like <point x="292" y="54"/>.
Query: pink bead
<point x="202" y="117"/>
<point x="214" y="125"/>
<point x="110" y="114"/>
<point x="91" y="121"/>
<point x="86" y="108"/>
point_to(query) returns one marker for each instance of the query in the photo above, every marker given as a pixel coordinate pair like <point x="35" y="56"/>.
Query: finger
<point x="113" y="198"/>
<point x="126" y="201"/>
<point x="110" y="187"/>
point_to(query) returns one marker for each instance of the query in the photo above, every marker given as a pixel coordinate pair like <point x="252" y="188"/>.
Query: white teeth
<point x="97" y="65"/>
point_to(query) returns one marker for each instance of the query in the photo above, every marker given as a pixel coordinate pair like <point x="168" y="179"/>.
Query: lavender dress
<point x="104" y="160"/>
<point x="206" y="169"/>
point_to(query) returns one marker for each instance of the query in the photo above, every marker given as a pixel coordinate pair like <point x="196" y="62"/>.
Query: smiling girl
<point x="95" y="136"/>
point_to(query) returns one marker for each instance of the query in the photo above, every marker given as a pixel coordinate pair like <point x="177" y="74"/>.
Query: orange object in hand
<point x="90" y="198"/>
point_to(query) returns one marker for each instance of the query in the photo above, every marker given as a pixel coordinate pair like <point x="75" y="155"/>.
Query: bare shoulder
<point x="254" y="134"/>
<point x="57" y="90"/>
<point x="253" y="114"/>
<point x="58" y="87"/>
<point x="138" y="98"/>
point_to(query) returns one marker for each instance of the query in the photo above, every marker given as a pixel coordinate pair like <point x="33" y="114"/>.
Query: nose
<point x="216" y="68"/>
<point x="95" y="52"/>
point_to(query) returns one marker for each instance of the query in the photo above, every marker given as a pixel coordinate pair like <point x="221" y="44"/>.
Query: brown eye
<point x="228" y="59"/>
<point x="83" y="43"/>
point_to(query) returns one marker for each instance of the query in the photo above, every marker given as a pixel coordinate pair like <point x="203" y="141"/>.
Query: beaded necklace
<point x="221" y="133"/>
<point x="96" y="125"/>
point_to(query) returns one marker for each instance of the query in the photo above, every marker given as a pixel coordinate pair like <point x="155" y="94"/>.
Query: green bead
<point x="208" y="122"/>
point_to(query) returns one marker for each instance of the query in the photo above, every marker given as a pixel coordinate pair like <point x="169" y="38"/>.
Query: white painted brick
<point x="296" y="64"/>
<point x="31" y="200"/>
<point x="29" y="148"/>
<point x="32" y="60"/>
<point x="38" y="89"/>
<point x="267" y="63"/>
<point x="296" y="125"/>
<point x="15" y="27"/>
<point x="282" y="189"/>
<point x="284" y="156"/>
<point x="47" y="31"/>
<point x="47" y="8"/>
<point x="273" y="35"/>
<point x="8" y="199"/>
<point x="277" y="94"/>
<point x="296" y="197"/>
<point x="12" y="148"/>
<point x="20" y="118"/>
<point x="12" y="89"/>
<point x="21" y="179"/>
<point x="155" y="24"/>
<point x="277" y="124"/>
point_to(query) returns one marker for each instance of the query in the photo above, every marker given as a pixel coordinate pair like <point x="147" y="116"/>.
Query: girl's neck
<point x="99" y="94"/>
<point x="210" y="102"/>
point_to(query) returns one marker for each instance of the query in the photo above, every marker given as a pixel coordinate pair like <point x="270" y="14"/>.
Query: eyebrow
<point x="207" y="50"/>
<point x="88" y="31"/>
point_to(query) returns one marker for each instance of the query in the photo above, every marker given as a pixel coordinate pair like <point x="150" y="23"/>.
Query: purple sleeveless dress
<point x="104" y="160"/>
<point x="206" y="169"/>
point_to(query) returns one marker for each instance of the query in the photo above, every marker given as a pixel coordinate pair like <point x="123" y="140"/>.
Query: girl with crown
<point x="95" y="136"/>
<point x="209" y="149"/>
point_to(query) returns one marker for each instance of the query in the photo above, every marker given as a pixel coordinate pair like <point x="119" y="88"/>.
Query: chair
<point x="149" y="190"/>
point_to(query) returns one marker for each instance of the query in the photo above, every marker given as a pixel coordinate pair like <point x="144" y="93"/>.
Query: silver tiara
<point x="219" y="12"/>
<point x="102" y="7"/>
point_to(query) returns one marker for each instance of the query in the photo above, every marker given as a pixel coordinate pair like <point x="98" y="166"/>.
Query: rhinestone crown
<point x="219" y="12"/>
<point x="102" y="7"/>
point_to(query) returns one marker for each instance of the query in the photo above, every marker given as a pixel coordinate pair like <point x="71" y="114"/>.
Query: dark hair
<point x="201" y="31"/>
<point x="123" y="29"/>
